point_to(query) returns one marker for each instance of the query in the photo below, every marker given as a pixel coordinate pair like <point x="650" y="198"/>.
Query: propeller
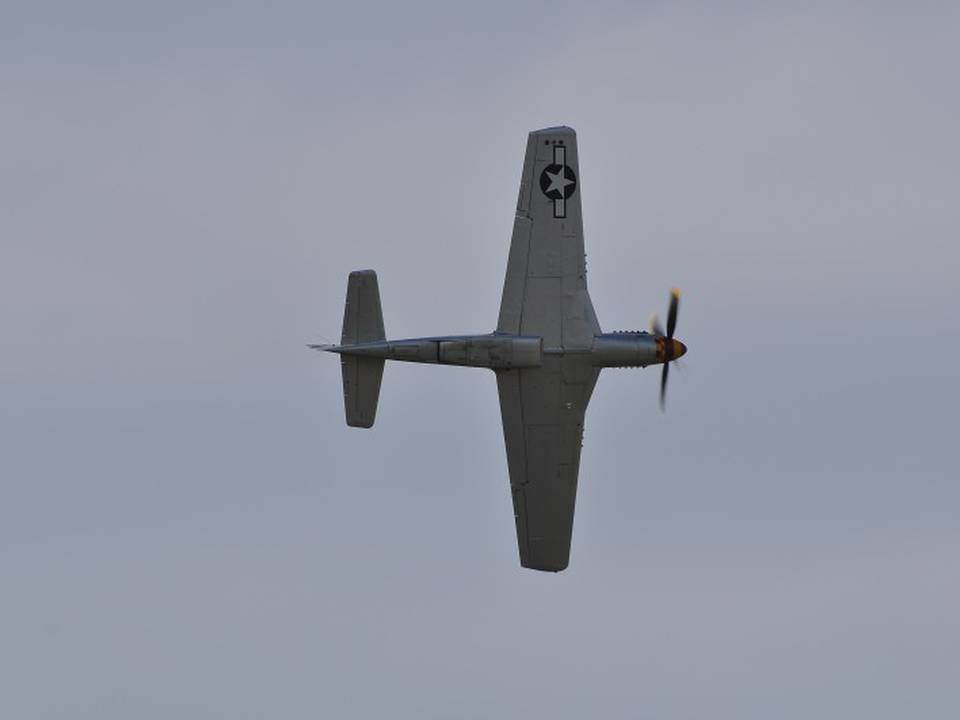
<point x="655" y="327"/>
<point x="672" y="349"/>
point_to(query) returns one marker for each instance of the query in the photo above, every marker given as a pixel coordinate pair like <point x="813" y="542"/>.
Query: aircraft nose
<point x="679" y="349"/>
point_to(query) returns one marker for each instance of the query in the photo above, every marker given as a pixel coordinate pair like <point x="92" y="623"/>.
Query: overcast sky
<point x="187" y="527"/>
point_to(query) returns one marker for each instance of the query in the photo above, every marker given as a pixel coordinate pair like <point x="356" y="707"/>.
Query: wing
<point x="545" y="291"/>
<point x="543" y="410"/>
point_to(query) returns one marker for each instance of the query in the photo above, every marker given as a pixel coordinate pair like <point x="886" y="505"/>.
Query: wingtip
<point x="366" y="272"/>
<point x="556" y="129"/>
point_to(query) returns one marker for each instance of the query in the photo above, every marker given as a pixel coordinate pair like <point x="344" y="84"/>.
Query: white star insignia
<point x="558" y="181"/>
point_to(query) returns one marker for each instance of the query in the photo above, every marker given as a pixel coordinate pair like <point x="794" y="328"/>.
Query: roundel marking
<point x="558" y="182"/>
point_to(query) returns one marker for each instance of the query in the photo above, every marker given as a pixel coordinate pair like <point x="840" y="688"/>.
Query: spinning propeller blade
<point x="673" y="349"/>
<point x="655" y="327"/>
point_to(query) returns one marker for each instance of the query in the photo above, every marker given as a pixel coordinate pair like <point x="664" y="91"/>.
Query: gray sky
<point x="187" y="527"/>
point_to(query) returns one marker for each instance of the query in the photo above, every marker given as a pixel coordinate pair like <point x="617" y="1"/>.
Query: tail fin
<point x="362" y="323"/>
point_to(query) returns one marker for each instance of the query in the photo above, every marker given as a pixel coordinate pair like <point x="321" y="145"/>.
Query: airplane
<point x="547" y="351"/>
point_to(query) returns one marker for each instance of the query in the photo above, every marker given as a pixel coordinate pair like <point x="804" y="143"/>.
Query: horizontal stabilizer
<point x="362" y="323"/>
<point x="361" y="388"/>
<point x="362" y="316"/>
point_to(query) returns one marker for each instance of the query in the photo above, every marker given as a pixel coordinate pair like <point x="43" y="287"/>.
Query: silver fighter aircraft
<point x="547" y="351"/>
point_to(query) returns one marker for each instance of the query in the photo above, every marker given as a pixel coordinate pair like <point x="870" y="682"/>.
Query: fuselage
<point x="499" y="351"/>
